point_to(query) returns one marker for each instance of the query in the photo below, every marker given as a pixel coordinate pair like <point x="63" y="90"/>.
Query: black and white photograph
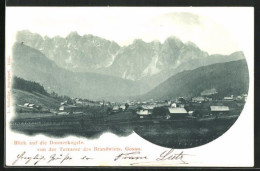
<point x="176" y="78"/>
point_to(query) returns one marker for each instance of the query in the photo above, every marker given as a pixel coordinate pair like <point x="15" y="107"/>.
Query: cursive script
<point x="27" y="159"/>
<point x="61" y="158"/>
<point x="130" y="156"/>
<point x="85" y="158"/>
<point x="169" y="155"/>
<point x="137" y="157"/>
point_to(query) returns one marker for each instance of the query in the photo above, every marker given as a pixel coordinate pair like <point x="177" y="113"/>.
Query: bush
<point x="159" y="111"/>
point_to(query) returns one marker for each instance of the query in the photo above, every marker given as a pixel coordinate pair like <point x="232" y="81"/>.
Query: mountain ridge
<point x="229" y="78"/>
<point x="137" y="61"/>
<point x="31" y="64"/>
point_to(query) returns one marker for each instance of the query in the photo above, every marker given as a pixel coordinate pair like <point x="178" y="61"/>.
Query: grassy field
<point x="85" y="124"/>
<point x="22" y="97"/>
<point x="185" y="133"/>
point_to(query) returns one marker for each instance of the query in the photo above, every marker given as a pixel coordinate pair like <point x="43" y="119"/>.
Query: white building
<point x="173" y="105"/>
<point x="144" y="113"/>
<point x="178" y="112"/>
<point x="122" y="107"/>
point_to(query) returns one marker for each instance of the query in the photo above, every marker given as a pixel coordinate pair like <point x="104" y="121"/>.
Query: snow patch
<point x="113" y="57"/>
<point x="124" y="75"/>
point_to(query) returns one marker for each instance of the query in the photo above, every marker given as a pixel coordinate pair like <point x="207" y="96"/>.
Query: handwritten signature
<point x="35" y="159"/>
<point x="130" y="156"/>
<point x="168" y="155"/>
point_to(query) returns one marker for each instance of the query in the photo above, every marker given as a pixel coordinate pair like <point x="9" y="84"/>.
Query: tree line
<point x="30" y="86"/>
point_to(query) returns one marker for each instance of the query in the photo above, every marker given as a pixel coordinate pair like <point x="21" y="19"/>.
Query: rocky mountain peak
<point x="89" y="53"/>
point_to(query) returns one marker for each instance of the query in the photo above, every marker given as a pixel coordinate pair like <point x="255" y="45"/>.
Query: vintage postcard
<point x="129" y="86"/>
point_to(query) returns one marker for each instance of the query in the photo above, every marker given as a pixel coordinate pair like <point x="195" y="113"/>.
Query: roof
<point x="61" y="108"/>
<point x="115" y="107"/>
<point x="177" y="110"/>
<point x="198" y="98"/>
<point x="143" y="112"/>
<point x="219" y="108"/>
<point x="122" y="107"/>
<point x="67" y="107"/>
<point x="228" y="98"/>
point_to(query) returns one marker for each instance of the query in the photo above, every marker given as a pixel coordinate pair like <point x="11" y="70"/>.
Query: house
<point x="31" y="106"/>
<point x="144" y="113"/>
<point x="63" y="103"/>
<point x="27" y="107"/>
<point x="173" y="105"/>
<point x="63" y="113"/>
<point x="239" y="97"/>
<point x="229" y="98"/>
<point x="78" y="101"/>
<point x="70" y="109"/>
<point x="177" y="112"/>
<point x="245" y="97"/>
<point x="198" y="99"/>
<point x="219" y="110"/>
<point x="148" y="108"/>
<point x="191" y="112"/>
<point x="122" y="107"/>
<point x="26" y="104"/>
<point x="115" y="108"/>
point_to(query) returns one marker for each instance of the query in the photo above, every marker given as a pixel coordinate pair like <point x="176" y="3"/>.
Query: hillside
<point x="30" y="64"/>
<point x="29" y="86"/>
<point x="156" y="79"/>
<point x="24" y="91"/>
<point x="227" y="78"/>
<point x="21" y="97"/>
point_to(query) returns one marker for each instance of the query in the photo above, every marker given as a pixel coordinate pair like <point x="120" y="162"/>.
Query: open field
<point x="184" y="133"/>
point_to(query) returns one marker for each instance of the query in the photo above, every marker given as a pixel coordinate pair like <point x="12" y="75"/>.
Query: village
<point x="208" y="104"/>
<point x="185" y="121"/>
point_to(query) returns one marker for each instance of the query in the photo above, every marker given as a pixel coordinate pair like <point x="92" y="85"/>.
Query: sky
<point x="215" y="30"/>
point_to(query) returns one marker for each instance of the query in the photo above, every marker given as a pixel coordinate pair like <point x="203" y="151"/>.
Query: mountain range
<point x="137" y="61"/>
<point x="230" y="78"/>
<point x="30" y="64"/>
<point x="100" y="68"/>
